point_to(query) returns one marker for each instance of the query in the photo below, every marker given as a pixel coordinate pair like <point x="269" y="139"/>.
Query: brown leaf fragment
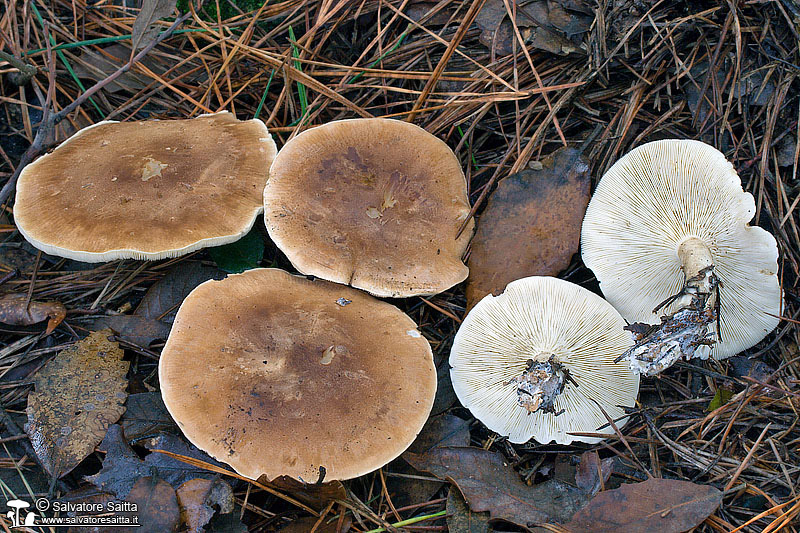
<point x="407" y="488"/>
<point x="490" y="484"/>
<point x="79" y="394"/>
<point x="98" y="65"/>
<point x="121" y="465"/>
<point x="592" y="473"/>
<point x="197" y="499"/>
<point x="138" y="330"/>
<point x="146" y="416"/>
<point x="156" y="506"/>
<point x="161" y="301"/>
<point x="461" y="518"/>
<point x="531" y="225"/>
<point x="14" y="311"/>
<point x="172" y="470"/>
<point x="145" y="28"/>
<point x="441" y="430"/>
<point x="663" y="505"/>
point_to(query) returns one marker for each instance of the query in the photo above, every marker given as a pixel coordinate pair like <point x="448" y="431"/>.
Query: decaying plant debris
<point x="505" y="84"/>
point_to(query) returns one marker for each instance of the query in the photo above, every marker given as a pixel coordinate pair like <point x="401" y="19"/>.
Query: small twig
<point x="26" y="71"/>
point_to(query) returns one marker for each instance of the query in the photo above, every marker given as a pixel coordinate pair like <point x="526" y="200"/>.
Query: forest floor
<point x="504" y="84"/>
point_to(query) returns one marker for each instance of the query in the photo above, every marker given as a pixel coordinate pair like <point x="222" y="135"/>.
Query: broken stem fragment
<point x="539" y="384"/>
<point x="685" y="332"/>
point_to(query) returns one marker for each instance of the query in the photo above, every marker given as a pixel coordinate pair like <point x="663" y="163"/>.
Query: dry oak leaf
<point x="489" y="484"/>
<point x="79" y="394"/>
<point x="15" y="310"/>
<point x="663" y="505"/>
<point x="531" y="225"/>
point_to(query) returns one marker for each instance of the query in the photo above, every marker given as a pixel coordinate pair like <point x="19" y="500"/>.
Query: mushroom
<point x="146" y="190"/>
<point x="537" y="361"/>
<point x="373" y="203"/>
<point x="278" y="375"/>
<point x="667" y="235"/>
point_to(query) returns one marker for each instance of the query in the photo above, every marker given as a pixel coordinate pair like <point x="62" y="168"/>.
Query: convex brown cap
<point x="146" y="190"/>
<point x="374" y="203"/>
<point x="277" y="375"/>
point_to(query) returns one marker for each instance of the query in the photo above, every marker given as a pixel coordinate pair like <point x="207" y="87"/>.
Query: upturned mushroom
<point x="277" y="375"/>
<point x="373" y="203"/>
<point x="667" y="235"/>
<point x="537" y="362"/>
<point x="146" y="190"/>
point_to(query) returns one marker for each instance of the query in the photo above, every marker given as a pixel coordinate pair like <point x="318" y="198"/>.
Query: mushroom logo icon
<point x="16" y="505"/>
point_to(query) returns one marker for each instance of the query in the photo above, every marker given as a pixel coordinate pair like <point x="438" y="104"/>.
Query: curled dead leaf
<point x="15" y="310"/>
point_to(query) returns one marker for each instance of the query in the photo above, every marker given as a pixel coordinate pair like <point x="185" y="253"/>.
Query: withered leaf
<point x="98" y="66"/>
<point x="440" y="430"/>
<point x="663" y="505"/>
<point x="146" y="416"/>
<point x="157" y="505"/>
<point x="489" y="484"/>
<point x="227" y="523"/>
<point x="172" y="470"/>
<point x="197" y="498"/>
<point x="138" y="330"/>
<point x="461" y="518"/>
<point x="88" y="495"/>
<point x="531" y="225"/>
<point x="79" y="394"/>
<point x="13" y="310"/>
<point x="162" y="300"/>
<point x="145" y="28"/>
<point x="121" y="465"/>
<point x="591" y="470"/>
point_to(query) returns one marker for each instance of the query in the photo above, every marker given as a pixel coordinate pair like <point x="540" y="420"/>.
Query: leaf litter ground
<point x="506" y="84"/>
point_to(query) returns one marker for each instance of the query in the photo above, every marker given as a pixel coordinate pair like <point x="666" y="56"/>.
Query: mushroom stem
<point x="695" y="260"/>
<point x="539" y="385"/>
<point x="687" y="332"/>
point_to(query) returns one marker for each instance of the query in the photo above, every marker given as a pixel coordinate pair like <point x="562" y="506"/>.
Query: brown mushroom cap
<point x="278" y="375"/>
<point x="375" y="203"/>
<point x="146" y="190"/>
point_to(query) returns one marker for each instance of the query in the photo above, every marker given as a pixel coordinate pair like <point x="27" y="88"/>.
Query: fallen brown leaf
<point x="489" y="484"/>
<point x="197" y="498"/>
<point x="79" y="394"/>
<point x="138" y="330"/>
<point x="145" y="28"/>
<point x="592" y="473"/>
<point x="14" y="311"/>
<point x="157" y="505"/>
<point x="461" y="519"/>
<point x="531" y="225"/>
<point x="161" y="301"/>
<point x="663" y="505"/>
